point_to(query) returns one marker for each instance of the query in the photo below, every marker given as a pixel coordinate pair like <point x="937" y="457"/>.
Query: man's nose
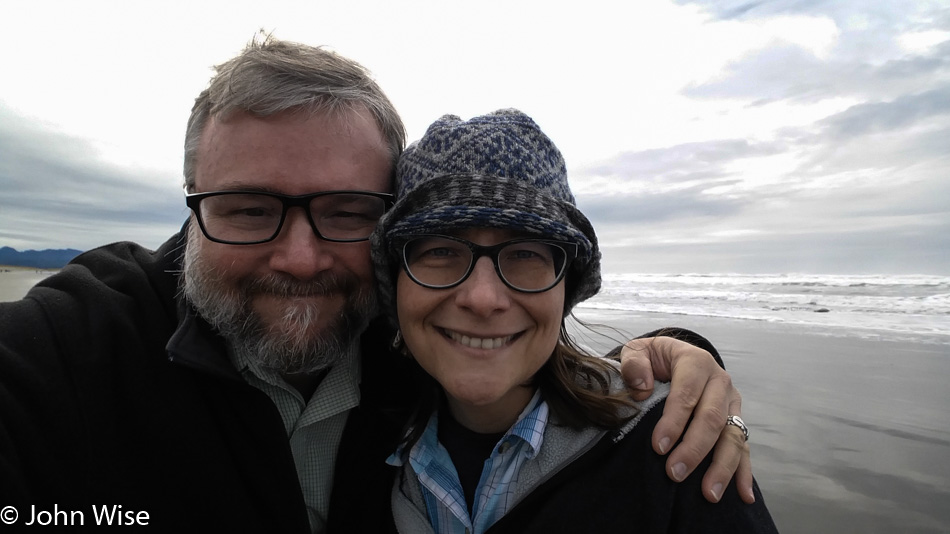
<point x="298" y="250"/>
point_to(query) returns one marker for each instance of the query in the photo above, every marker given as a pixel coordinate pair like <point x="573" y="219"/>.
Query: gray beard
<point x="289" y="347"/>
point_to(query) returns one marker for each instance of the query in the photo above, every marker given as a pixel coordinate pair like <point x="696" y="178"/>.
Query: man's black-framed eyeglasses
<point x="528" y="265"/>
<point x="252" y="217"/>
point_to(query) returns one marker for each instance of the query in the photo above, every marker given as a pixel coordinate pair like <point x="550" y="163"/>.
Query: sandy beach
<point x="16" y="281"/>
<point x="848" y="434"/>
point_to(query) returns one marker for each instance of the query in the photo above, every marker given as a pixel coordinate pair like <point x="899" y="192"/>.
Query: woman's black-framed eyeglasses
<point x="528" y="265"/>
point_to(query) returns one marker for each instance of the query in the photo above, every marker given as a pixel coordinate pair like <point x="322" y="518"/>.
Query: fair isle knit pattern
<point x="517" y="206"/>
<point x="498" y="171"/>
<point x="503" y="144"/>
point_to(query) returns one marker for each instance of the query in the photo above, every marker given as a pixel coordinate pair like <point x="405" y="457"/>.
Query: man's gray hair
<point x="271" y="76"/>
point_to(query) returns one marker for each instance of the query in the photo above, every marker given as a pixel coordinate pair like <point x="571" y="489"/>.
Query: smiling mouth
<point x="478" y="342"/>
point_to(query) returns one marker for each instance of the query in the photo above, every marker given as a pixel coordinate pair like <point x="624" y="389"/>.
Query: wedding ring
<point x="735" y="420"/>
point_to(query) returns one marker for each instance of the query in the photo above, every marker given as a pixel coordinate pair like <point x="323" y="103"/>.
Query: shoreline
<point x="12" y="268"/>
<point x="830" y="328"/>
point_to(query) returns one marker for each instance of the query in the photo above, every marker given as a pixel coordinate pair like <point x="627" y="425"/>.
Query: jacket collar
<point x="195" y="344"/>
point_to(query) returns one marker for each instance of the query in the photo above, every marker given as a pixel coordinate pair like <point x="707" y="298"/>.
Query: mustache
<point x="324" y="285"/>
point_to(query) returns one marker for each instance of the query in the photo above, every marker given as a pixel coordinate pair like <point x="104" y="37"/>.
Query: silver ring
<point x="735" y="420"/>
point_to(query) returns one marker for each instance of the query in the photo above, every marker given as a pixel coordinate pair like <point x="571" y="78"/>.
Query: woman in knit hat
<point x="480" y="260"/>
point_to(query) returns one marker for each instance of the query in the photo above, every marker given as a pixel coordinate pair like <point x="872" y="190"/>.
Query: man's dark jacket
<point x="113" y="393"/>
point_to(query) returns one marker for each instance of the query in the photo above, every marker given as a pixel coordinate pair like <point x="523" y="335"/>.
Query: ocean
<point x="885" y="307"/>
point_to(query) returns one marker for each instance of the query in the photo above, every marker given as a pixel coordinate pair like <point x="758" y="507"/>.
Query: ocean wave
<point x="789" y="279"/>
<point x="904" y="304"/>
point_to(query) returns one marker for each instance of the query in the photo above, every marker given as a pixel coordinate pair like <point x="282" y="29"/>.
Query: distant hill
<point x="41" y="259"/>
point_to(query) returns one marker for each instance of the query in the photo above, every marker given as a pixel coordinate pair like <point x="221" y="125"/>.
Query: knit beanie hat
<point x="497" y="171"/>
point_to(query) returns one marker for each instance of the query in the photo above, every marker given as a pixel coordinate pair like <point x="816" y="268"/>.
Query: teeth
<point x="479" y="342"/>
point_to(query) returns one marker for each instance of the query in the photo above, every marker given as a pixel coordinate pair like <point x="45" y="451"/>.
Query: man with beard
<point x="220" y="381"/>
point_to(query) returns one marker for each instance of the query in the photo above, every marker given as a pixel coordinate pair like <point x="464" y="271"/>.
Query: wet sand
<point x="847" y="434"/>
<point x="16" y="281"/>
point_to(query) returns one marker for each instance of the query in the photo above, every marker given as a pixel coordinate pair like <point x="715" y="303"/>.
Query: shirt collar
<point x="531" y="424"/>
<point x="529" y="428"/>
<point x="339" y="391"/>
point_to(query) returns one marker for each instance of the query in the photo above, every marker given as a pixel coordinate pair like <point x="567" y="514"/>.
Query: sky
<point x="798" y="136"/>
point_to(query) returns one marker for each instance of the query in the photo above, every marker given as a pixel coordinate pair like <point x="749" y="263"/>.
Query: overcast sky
<point x="708" y="136"/>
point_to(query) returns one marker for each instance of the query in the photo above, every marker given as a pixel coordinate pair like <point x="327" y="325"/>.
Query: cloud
<point x="792" y="73"/>
<point x="862" y="190"/>
<point x="679" y="163"/>
<point x="874" y="145"/>
<point x="56" y="191"/>
<point x="898" y="114"/>
<point x="660" y="185"/>
<point x="852" y="252"/>
<point x="647" y="207"/>
<point x="888" y="15"/>
<point x="841" y="166"/>
<point x="868" y="58"/>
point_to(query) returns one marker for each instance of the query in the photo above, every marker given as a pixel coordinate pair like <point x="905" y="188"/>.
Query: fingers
<point x="744" y="477"/>
<point x="731" y="458"/>
<point x="731" y="452"/>
<point x="691" y="390"/>
<point x="701" y="397"/>
<point x="636" y="369"/>
<point x="743" y="474"/>
<point x="706" y="398"/>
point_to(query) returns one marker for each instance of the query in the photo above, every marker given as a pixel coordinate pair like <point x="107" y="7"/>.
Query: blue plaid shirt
<point x="444" y="498"/>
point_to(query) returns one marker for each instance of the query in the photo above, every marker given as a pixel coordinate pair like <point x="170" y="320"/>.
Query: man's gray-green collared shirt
<point x="314" y="428"/>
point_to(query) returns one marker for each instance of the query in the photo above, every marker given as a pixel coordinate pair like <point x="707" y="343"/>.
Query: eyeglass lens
<point x="525" y="265"/>
<point x="248" y="217"/>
